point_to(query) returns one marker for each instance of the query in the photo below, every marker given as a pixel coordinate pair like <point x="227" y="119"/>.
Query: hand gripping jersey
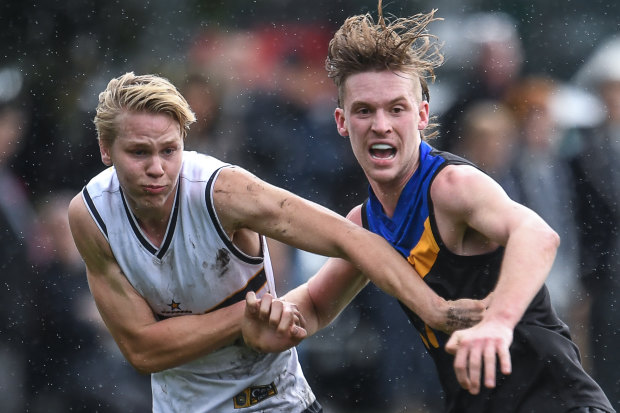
<point x="547" y="374"/>
<point x="196" y="270"/>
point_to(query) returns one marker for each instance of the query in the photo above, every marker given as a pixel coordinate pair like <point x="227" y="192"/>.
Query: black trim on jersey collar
<point x="255" y="284"/>
<point x="449" y="159"/>
<point x="216" y="223"/>
<point x="93" y="210"/>
<point x="170" y="230"/>
<point x="364" y="214"/>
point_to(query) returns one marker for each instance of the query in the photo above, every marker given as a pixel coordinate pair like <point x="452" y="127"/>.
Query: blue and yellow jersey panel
<point x="412" y="230"/>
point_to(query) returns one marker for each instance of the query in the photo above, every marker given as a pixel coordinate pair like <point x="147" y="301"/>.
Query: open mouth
<point x="382" y="151"/>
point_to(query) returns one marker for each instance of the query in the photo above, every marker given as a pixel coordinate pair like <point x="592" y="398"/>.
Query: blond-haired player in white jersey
<point x="171" y="245"/>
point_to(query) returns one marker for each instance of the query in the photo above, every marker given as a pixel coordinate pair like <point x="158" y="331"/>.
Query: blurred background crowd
<point x="530" y="91"/>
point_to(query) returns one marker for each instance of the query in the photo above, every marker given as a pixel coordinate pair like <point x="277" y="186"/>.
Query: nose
<point x="155" y="166"/>
<point x="381" y="124"/>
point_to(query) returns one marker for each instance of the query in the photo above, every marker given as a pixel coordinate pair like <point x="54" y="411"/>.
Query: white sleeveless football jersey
<point x="197" y="269"/>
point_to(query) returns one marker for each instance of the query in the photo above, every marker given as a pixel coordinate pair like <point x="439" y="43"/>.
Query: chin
<point x="149" y="203"/>
<point x="382" y="177"/>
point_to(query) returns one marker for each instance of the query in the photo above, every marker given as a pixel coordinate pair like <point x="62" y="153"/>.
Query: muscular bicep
<point x="242" y="202"/>
<point x="470" y="201"/>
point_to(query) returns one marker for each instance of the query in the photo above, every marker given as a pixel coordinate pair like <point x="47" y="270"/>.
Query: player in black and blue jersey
<point x="455" y="225"/>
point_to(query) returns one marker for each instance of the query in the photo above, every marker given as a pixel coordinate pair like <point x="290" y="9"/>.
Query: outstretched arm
<point x="326" y="294"/>
<point x="244" y="201"/>
<point x="468" y="198"/>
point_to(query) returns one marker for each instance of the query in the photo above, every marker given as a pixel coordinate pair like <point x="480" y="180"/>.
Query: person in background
<point x="544" y="184"/>
<point x="596" y="168"/>
<point x="16" y="251"/>
<point x="498" y="59"/>
<point x="455" y="225"/>
<point x="489" y="139"/>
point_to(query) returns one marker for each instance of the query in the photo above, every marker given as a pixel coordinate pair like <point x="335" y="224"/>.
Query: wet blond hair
<point x="142" y="93"/>
<point x="401" y="45"/>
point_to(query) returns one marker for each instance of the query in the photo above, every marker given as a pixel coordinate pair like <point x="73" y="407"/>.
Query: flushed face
<point x="382" y="115"/>
<point x="147" y="156"/>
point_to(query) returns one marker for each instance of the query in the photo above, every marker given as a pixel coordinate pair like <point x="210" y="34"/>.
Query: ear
<point x="340" y="122"/>
<point x="423" y="113"/>
<point x="105" y="154"/>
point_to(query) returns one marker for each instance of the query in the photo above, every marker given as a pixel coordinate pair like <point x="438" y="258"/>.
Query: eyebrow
<point x="391" y="102"/>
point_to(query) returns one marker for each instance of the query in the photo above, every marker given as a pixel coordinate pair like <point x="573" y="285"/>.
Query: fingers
<point x="467" y="364"/>
<point x="505" y="364"/>
<point x="477" y="351"/>
<point x="282" y="316"/>
<point x="464" y="313"/>
<point x="265" y="307"/>
<point x="469" y="361"/>
<point x="453" y="343"/>
<point x="292" y="323"/>
<point x="252" y="303"/>
<point x="489" y="366"/>
<point x="474" y="368"/>
<point x="273" y="312"/>
<point x="460" y="363"/>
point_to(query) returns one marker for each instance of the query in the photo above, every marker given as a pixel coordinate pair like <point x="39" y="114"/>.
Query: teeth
<point x="381" y="146"/>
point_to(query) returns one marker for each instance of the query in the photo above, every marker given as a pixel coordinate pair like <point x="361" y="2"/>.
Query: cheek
<point x="126" y="175"/>
<point x="359" y="149"/>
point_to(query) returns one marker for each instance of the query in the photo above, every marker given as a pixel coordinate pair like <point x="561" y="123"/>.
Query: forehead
<point x="378" y="86"/>
<point x="145" y="125"/>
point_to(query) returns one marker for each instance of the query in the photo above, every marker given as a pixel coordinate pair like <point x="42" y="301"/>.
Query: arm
<point x="272" y="325"/>
<point x="244" y="201"/>
<point x="471" y="201"/>
<point x="149" y="345"/>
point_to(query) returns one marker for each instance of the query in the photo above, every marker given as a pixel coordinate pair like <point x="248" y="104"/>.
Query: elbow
<point x="536" y="232"/>
<point x="140" y="360"/>
<point x="548" y="241"/>
<point x="142" y="364"/>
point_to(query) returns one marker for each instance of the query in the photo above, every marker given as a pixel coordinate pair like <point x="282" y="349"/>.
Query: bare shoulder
<point x="87" y="236"/>
<point x="459" y="187"/>
<point x="456" y="176"/>
<point x="239" y="197"/>
<point x="77" y="212"/>
<point x="229" y="177"/>
<point x="236" y="184"/>
<point x="355" y="215"/>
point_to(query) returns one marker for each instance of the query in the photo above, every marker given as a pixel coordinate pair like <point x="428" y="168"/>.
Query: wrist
<point x="503" y="317"/>
<point x="436" y="312"/>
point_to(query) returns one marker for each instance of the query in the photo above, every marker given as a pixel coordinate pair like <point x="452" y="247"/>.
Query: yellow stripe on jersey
<point x="424" y="254"/>
<point x="432" y="338"/>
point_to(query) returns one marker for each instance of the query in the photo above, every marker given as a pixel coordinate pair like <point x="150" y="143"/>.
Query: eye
<point x="362" y="111"/>
<point x="397" y="109"/>
<point x="171" y="150"/>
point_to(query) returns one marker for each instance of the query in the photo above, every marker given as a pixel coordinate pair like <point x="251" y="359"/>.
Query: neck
<point x="388" y="192"/>
<point x="154" y="221"/>
<point x="387" y="198"/>
<point x="154" y="229"/>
